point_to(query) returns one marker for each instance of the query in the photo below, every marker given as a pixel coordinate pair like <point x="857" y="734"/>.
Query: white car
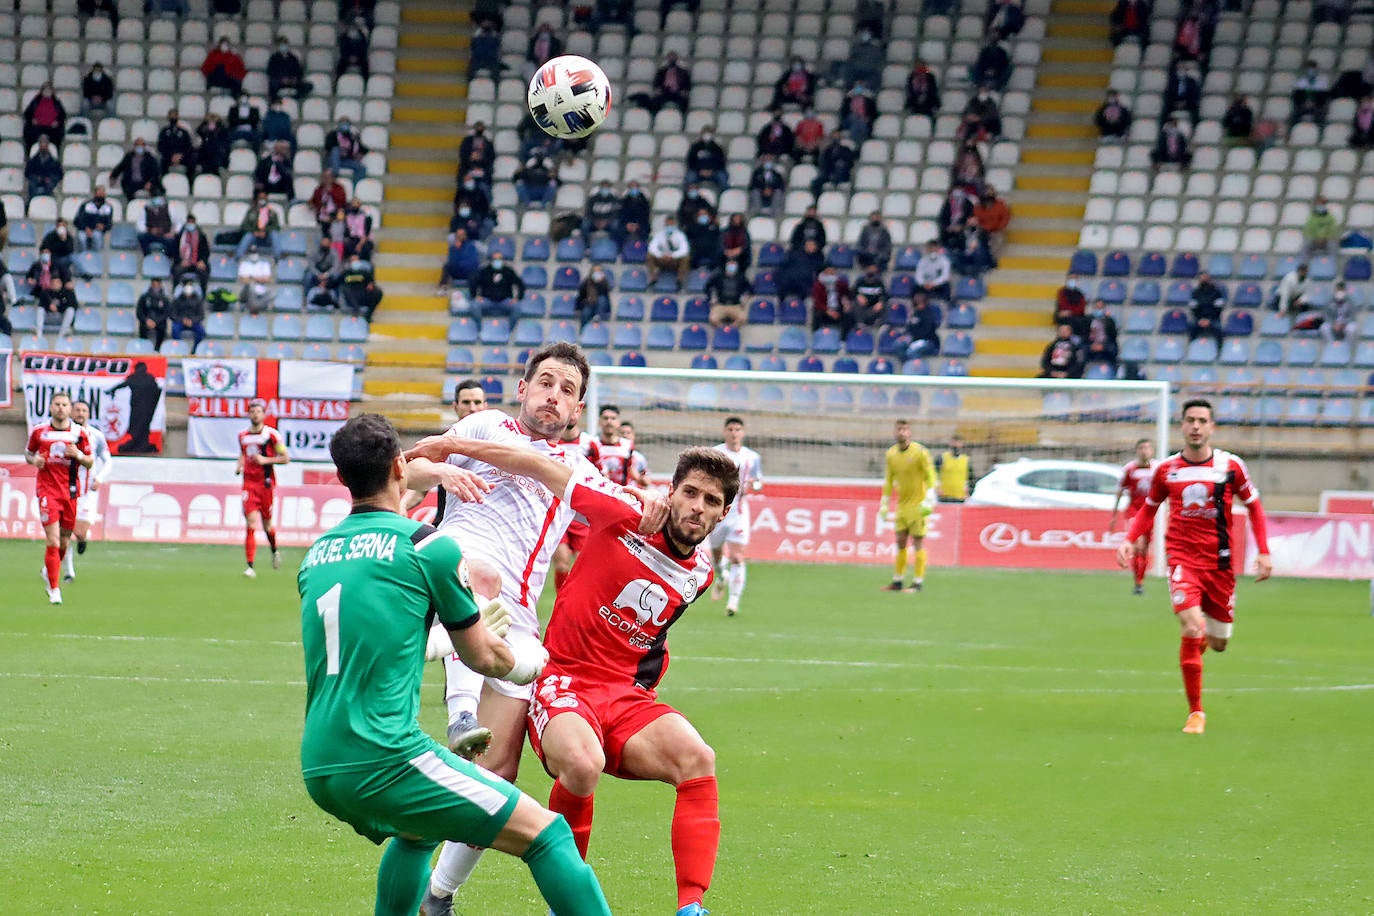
<point x="1031" y="483"/>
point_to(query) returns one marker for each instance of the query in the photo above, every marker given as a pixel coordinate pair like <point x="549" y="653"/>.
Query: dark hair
<point x="1197" y="402"/>
<point x="611" y="407"/>
<point x="901" y="422"/>
<point x="566" y="352"/>
<point x="467" y="383"/>
<point x="729" y="420"/>
<point x="624" y="423"/>
<point x="1140" y="442"/>
<point x="711" y="462"/>
<point x="363" y="449"/>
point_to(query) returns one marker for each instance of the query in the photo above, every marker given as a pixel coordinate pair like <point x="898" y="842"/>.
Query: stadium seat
<point x="825" y="340"/>
<point x="462" y="330"/>
<point x="535" y="249"/>
<point x="1238" y="324"/>
<point x="630" y="308"/>
<point x="1303" y="352"/>
<point x="1112" y="292"/>
<point x="634" y="251"/>
<point x="1268" y="353"/>
<point x="1145" y="292"/>
<point x="664" y="308"/>
<point x="1322" y="268"/>
<point x="846" y="365"/>
<point x="633" y="359"/>
<point x="793" y="312"/>
<point x="726" y="339"/>
<point x="793" y="340"/>
<point x="1357" y="269"/>
<point x="860" y="342"/>
<point x="627" y="336"/>
<point x="660" y="337"/>
<point x="1185" y="266"/>
<point x="459" y="359"/>
<point x="766" y="283"/>
<point x="772" y="363"/>
<point x="696" y="309"/>
<point x="563" y="305"/>
<point x="771" y="254"/>
<point x="563" y="330"/>
<point x="567" y="277"/>
<point x="1221" y="266"/>
<point x="1174" y="321"/>
<point x="762" y="312"/>
<point x="1275" y="325"/>
<point x="1116" y="264"/>
<point x="603" y="251"/>
<point x="503" y="245"/>
<point x="969" y="289"/>
<point x="738" y="362"/>
<point x="810" y="364"/>
<point x="1135" y="350"/>
<point x="570" y="250"/>
<point x="841" y="256"/>
<point x="495" y="389"/>
<point x="1201" y="351"/>
<point x="1083" y="262"/>
<point x="535" y="276"/>
<point x="1179" y="292"/>
<point x="693" y="337"/>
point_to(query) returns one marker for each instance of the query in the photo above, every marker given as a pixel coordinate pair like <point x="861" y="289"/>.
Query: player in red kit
<point x="595" y="709"/>
<point x="58" y="450"/>
<point x="260" y="450"/>
<point x="1135" y="483"/>
<point x="1199" y="484"/>
<point x="576" y="536"/>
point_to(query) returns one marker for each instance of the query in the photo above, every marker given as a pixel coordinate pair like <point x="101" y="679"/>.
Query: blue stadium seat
<point x="563" y="330"/>
<point x="810" y="364"/>
<point x="633" y="359"/>
<point x="495" y="389"/>
<point x="595" y="357"/>
<point x="1345" y="383"/>
<point x="295" y="242"/>
<point x="1099" y="372"/>
<point x="1083" y="262"/>
<point x="1234" y="352"/>
<point x="563" y="305"/>
<point x="660" y="337"/>
<point x="915" y="367"/>
<point x="535" y="276"/>
<point x="1364" y="355"/>
<point x="1185" y="266"/>
<point x="139" y="346"/>
<point x="244" y="349"/>
<point x="664" y="308"/>
<point x="289" y="299"/>
<point x="459" y="359"/>
<point x="223" y="268"/>
<point x="503" y="245"/>
<point x="1112" y="292"/>
<point x="1322" y="267"/>
<point x="771" y="254"/>
<point x="634" y="280"/>
<point x="319" y="327"/>
<point x="1135" y="350"/>
<point x="123" y="237"/>
<point x="87" y="293"/>
<point x="1248" y="295"/>
<point x="120" y="293"/>
<point x="962" y="317"/>
<point x="1174" y="321"/>
<point x="738" y="362"/>
<point x="462" y="330"/>
<point x="898" y="314"/>
<point x="1268" y="353"/>
<point x="20" y="260"/>
<point x="567" y="278"/>
<point x="726" y="339"/>
<point x="954" y="368"/>
<point x="1303" y="352"/>
<point x="860" y="341"/>
<point x="693" y="337"/>
<point x="603" y="251"/>
<point x="1202" y="351"/>
<point x="1337" y="412"/>
<point x="528" y="333"/>
<point x="212" y="349"/>
<point x="627" y="337"/>
<point x="762" y="311"/>
<point x="773" y="364"/>
<point x="805" y="398"/>
<point x="634" y="251"/>
<point x="881" y="365"/>
<point x="287" y="327"/>
<point x="494" y="359"/>
<point x="841" y="256"/>
<point x="1285" y="264"/>
<point x="1234" y="409"/>
<point x="291" y="270"/>
<point x="704" y="361"/>
<point x="281" y="350"/>
<point x="1357" y="269"/>
<point x="1180" y="292"/>
<point x="666" y="283"/>
<point x="907" y="257"/>
<point x="1145" y="292"/>
<point x="630" y="308"/>
<point x="1140" y="321"/>
<point x="697" y="280"/>
<point x="907" y="397"/>
<point x="219" y="324"/>
<point x="570" y="250"/>
<point x="825" y="340"/>
<point x="1240" y="380"/>
<point x="1221" y="266"/>
<point x="945" y="401"/>
<point x="123" y="266"/>
<point x="766" y="283"/>
<point x="1309" y="383"/>
<point x="792" y="311"/>
<point x="874" y="396"/>
<point x="534" y="305"/>
<point x="1335" y="355"/>
<point x="1238" y="324"/>
<point x="88" y="321"/>
<point x="318" y="352"/>
<point x="1116" y="264"/>
<point x="157" y="266"/>
<point x="88" y="264"/>
<point x="253" y="327"/>
<point x="969" y="288"/>
<point x="697" y="308"/>
<point x="901" y="286"/>
<point x="1275" y="325"/>
<point x="535" y="248"/>
<point x="793" y="340"/>
<point x="1271" y="410"/>
<point x="845" y="365"/>
<point x="958" y="345"/>
<point x="1253" y="267"/>
<point x="23" y="233"/>
<point x="839" y="396"/>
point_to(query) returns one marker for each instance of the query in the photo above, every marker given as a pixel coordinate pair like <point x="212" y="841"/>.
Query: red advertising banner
<point x="125" y="394"/>
<point x="1036" y="538"/>
<point x="1347" y="502"/>
<point x="1322" y="546"/>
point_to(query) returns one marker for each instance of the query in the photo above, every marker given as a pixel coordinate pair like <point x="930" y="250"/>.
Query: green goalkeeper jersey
<point x="367" y="589"/>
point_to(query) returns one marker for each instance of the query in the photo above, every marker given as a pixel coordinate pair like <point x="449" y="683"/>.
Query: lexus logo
<point x="1003" y="537"/>
<point x="999" y="537"/>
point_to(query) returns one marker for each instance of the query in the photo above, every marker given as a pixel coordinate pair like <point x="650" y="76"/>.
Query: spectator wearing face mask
<point x="537" y="181"/>
<point x="735" y="244"/>
<point x="45" y="115"/>
<point x="835" y="165"/>
<point x="1100" y="343"/>
<point x="57" y="306"/>
<point x="775" y="138"/>
<point x="277" y="126"/>
<point x="1183" y="91"/>
<point x="767" y="187"/>
<point x="599" y="214"/>
<point x="1206" y="304"/>
<point x="669" y="250"/>
<point x="1339" y="315"/>
<point x="192" y="254"/>
<point x="1069" y="301"/>
<point x="343" y="148"/>
<point x="496" y="290"/>
<point x="831" y="304"/>
<point x="285" y="75"/>
<point x="93" y="219"/>
<point x="139" y="172"/>
<point x="727" y="290"/>
<point x="922" y="329"/>
<point x="795" y="87"/>
<point x="693" y="203"/>
<point x="808" y="228"/>
<point x="255" y="282"/>
<point x="594" y="296"/>
<point x="1291" y="295"/>
<point x="328" y="198"/>
<point x="1238" y="122"/>
<point x="44" y="270"/>
<point x="245" y="124"/>
<point x="634" y="213"/>
<point x="60" y="241"/>
<point x="870" y="297"/>
<point x="358" y="290"/>
<point x="1322" y="231"/>
<point x="807" y="137"/>
<point x="358" y="231"/>
<point x="353" y="50"/>
<point x="1113" y="119"/>
<point x="260" y="229"/>
<point x="706" y="161"/>
<point x="97" y="92"/>
<point x="155" y="230"/>
<point x="1061" y="357"/>
<point x="212" y="156"/>
<point x="469" y="216"/>
<point x="175" y="146"/>
<point x="275" y="173"/>
<point x="151" y="313"/>
<point x="477" y="157"/>
<point x="1310" y="96"/>
<point x="322" y="276"/>
<point x="1171" y="148"/>
<point x="933" y="272"/>
<point x="703" y="237"/>
<point x="992" y="67"/>
<point x="188" y="313"/>
<point x="858" y="112"/>
<point x="672" y="86"/>
<point x="43" y="172"/>
<point x="799" y="269"/>
<point x="463" y="261"/>
<point x="1362" y="124"/>
<point x="981" y="111"/>
<point x="874" y="245"/>
<point x="922" y="91"/>
<point x="224" y="69"/>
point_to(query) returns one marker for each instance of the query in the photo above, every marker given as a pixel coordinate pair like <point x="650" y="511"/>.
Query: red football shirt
<point x="610" y="622"/>
<point x="268" y="443"/>
<point x="1135" y="480"/>
<point x="58" y="476"/>
<point x="1200" y="495"/>
<point x="616" y="461"/>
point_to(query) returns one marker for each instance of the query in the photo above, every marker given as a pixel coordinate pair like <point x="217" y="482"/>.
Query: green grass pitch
<point x="1000" y="743"/>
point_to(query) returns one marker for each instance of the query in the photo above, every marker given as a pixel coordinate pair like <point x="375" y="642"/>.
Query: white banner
<point x="125" y="395"/>
<point x="226" y="378"/>
<point x="214" y="437"/>
<point x="314" y="380"/>
<point x="307" y="440"/>
<point x="306" y="402"/>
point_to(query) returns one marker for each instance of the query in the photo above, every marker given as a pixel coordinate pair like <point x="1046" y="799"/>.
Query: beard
<point x="682" y="540"/>
<point x="547" y="422"/>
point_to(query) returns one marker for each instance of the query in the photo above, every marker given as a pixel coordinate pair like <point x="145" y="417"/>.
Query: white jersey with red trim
<point x="518" y="524"/>
<point x="101" y="465"/>
<point x="750" y="470"/>
<point x="616" y="460"/>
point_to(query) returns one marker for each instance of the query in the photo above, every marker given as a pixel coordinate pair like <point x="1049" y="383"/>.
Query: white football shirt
<point x="750" y="470"/>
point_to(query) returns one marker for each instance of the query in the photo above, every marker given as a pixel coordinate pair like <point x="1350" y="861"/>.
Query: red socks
<point x="52" y="564"/>
<point x="1139" y="565"/>
<point x="577" y="810"/>
<point x="250" y="546"/>
<point x="695" y="837"/>
<point x="1190" y="661"/>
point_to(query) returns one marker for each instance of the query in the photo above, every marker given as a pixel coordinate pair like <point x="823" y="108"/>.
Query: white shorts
<point x="87" y="507"/>
<point x="733" y="529"/>
<point x="1221" y="629"/>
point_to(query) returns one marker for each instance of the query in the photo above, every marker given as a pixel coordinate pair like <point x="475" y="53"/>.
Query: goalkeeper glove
<point x="526" y="668"/>
<point x="438" y="645"/>
<point x="930" y="499"/>
<point x="882" y="508"/>
<point x="497" y="618"/>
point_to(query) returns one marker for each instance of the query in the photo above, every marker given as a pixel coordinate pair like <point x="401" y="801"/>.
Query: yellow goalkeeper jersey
<point x="911" y="471"/>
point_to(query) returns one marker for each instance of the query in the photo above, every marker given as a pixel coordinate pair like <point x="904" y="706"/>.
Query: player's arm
<point x="1259" y="524"/>
<point x="238" y="463"/>
<point x="1143" y="522"/>
<point x="929" y="500"/>
<point x="513" y="459"/>
<point x="100" y="471"/>
<point x="33" y="452"/>
<point x="280" y="456"/>
<point x="81" y="451"/>
<point x="888" y="478"/>
<point x="1116" y="506"/>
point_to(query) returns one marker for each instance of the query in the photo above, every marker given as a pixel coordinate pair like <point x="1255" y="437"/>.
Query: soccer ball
<point x="569" y="97"/>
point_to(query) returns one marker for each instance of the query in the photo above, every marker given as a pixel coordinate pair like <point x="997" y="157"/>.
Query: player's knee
<point x="1216" y="643"/>
<point x="580" y="773"/>
<point x="696" y="760"/>
<point x="1194" y="630"/>
<point x="484" y="578"/>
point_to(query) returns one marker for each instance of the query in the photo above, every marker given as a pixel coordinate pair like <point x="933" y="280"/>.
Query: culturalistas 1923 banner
<point x="126" y="394"/>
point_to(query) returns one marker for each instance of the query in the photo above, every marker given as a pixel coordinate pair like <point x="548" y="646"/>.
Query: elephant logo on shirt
<point x="646" y="599"/>
<point x="1195" y="496"/>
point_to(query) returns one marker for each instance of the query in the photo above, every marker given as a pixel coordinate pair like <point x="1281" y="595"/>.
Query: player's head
<point x="551" y="392"/>
<point x="367" y="454"/>
<point x="956" y="444"/>
<point x="469" y="397"/>
<point x="257" y="412"/>
<point x="627" y="430"/>
<point x="1198" y="422"/>
<point x="1144" y="450"/>
<point x="81" y="413"/>
<point x="60" y="407"/>
<point x="901" y="431"/>
<point x="734" y="432"/>
<point x="608" y="423"/>
<point x="704" y="484"/>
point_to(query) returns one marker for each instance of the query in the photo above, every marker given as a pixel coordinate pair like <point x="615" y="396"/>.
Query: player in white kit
<point x="731" y="537"/>
<point x="91" y="481"/>
<point x="508" y="527"/>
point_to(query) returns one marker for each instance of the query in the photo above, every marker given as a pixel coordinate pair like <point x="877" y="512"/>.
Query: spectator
<point x="1337" y="11"/>
<point x="808" y="228"/>
<point x="968" y="169"/>
<point x="477" y="157"/>
<point x="1340" y="315"/>
<point x="1362" y="124"/>
<point x="933" y="272"/>
<point x="9" y="296"/>
<point x="224" y="69"/>
<point x="1238" y="122"/>
<point x="344" y="149"/>
<point x="993" y="216"/>
<point x="672" y="86"/>
<point x="44" y="116"/>
<point x="155" y="228"/>
<point x="212" y="156"/>
<point x="97" y="92"/>
<point x="797" y="274"/>
<point x="275" y="173"/>
<point x="807" y="137"/>
<point x="537" y="181"/>
<point x="981" y="111"/>
<point x="922" y="329"/>
<point x="992" y="67"/>
<point x="181" y="8"/>
<point x="1321" y="232"/>
<point x="831" y="304"/>
<point x="1193" y="35"/>
<point x="1171" y="148"/>
<point x="188" y="313"/>
<point x="472" y="211"/>
<point x="1113" y="118"/>
<point x="322" y="275"/>
<point x="634" y="213"/>
<point x="1130" y="19"/>
<point x="955" y="212"/>
<point x="922" y="91"/>
<point x="599" y="214"/>
<point x="693" y="204"/>
<point x="870" y="297"/>
<point x="277" y="126"/>
<point x="285" y="75"/>
<point x="358" y="290"/>
<point x="594" y="296"/>
<point x="767" y="187"/>
<point x="151" y="313"/>
<point x="735" y="243"/>
<point x="664" y="6"/>
<point x="871" y="15"/>
<point x="353" y="51"/>
<point x="875" y="242"/>
<point x="255" y="279"/>
<point x="139" y="172"/>
<point x="260" y="227"/>
<point x="795" y="87"/>
<point x="669" y="250"/>
<point x="192" y="259"/>
<point x="357" y="230"/>
<point x="1099" y="317"/>
<point x="836" y="163"/>
<point x="1004" y="18"/>
<point x="327" y="199"/>
<point x="1206" y="304"/>
<point x="42" y="271"/>
<point x="43" y="172"/>
<point x="175" y="146"/>
<point x="866" y="58"/>
<point x="613" y="12"/>
<point x="544" y="46"/>
<point x="727" y="290"/>
<point x="706" y="161"/>
<point x="703" y="238"/>
<point x="1183" y="91"/>
<point x="1070" y="305"/>
<point x="858" y="111"/>
<point x="1291" y="296"/>
<point x="775" y="138"/>
<point x="4" y="230"/>
<point x="1311" y="93"/>
<point x="484" y="51"/>
<point x="60" y="242"/>
<point x="57" y="305"/>
<point x="1061" y="358"/>
<point x="93" y="219"/>
<point x="1100" y="347"/>
<point x="972" y="254"/>
<point x="245" y="124"/>
<point x="496" y="289"/>
<point x="92" y="8"/>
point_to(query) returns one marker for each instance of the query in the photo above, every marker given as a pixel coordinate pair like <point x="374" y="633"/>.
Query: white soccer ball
<point x="569" y="97"/>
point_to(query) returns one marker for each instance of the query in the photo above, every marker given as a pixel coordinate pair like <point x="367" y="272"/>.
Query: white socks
<point x="455" y="865"/>
<point x="734" y="583"/>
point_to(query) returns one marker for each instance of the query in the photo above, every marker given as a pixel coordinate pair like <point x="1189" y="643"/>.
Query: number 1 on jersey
<point x="327" y="605"/>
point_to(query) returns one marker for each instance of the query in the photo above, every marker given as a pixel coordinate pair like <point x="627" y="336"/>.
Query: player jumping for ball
<point x="1199" y="482"/>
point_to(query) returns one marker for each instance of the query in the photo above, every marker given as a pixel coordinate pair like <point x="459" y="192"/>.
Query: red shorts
<point x="258" y="499"/>
<point x="576" y="536"/>
<point x="1213" y="590"/>
<point x="60" y="508"/>
<point x="616" y="712"/>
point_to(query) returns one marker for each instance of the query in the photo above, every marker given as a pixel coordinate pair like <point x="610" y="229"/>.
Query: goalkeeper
<point x="911" y="472"/>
